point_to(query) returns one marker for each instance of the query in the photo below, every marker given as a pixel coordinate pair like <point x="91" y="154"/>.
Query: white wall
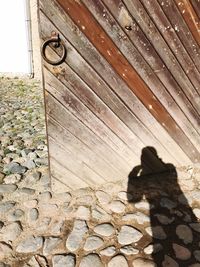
<point x="14" y="55"/>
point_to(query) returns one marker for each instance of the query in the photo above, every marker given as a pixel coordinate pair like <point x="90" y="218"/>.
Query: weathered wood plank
<point x="146" y="49"/>
<point x="90" y="54"/>
<point x="86" y="96"/>
<point x="58" y="186"/>
<point x="196" y="6"/>
<point x="76" y="107"/>
<point x="112" y="164"/>
<point x="73" y="162"/>
<point x="190" y="17"/>
<point x="137" y="11"/>
<point x="96" y="34"/>
<point x="171" y="38"/>
<point x="180" y="27"/>
<point x="65" y="176"/>
<point x="100" y="87"/>
<point x="108" y="24"/>
<point x="80" y="150"/>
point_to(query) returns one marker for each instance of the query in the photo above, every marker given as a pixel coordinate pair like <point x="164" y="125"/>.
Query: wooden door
<point x="128" y="84"/>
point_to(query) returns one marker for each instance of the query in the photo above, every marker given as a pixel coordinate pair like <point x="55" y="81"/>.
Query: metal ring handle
<point x="57" y="43"/>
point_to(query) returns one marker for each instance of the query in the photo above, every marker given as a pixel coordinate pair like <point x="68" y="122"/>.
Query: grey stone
<point x="36" y="261"/>
<point x="41" y="161"/>
<point x="63" y="260"/>
<point x="156" y="232"/>
<point x="14" y="167"/>
<point x="44" y="196"/>
<point x="5" y="250"/>
<point x="43" y="226"/>
<point x="82" y="213"/>
<point x="76" y="236"/>
<point x="30" y="245"/>
<point x="197" y="212"/>
<point x="125" y="195"/>
<point x="12" y="178"/>
<point x="11" y="231"/>
<point x="169" y="262"/>
<point x="33" y="215"/>
<point x="100" y="215"/>
<point x="15" y="215"/>
<point x="7" y="188"/>
<point x="29" y="164"/>
<point x="104" y="229"/>
<point x="181" y="252"/>
<point x="27" y="191"/>
<point x="91" y="260"/>
<point x="109" y="251"/>
<point x="33" y="263"/>
<point x="32" y="177"/>
<point x="6" y="206"/>
<point x="1" y="225"/>
<point x="117" y="206"/>
<point x="57" y="227"/>
<point x="184" y="233"/>
<point x="197" y="255"/>
<point x="153" y="248"/>
<point x="32" y="155"/>
<point x="183" y="200"/>
<point x="84" y="200"/>
<point x="164" y="219"/>
<point x="142" y="205"/>
<point x="167" y="203"/>
<point x="128" y="235"/>
<point x="143" y="263"/>
<point x="93" y="243"/>
<point x="103" y="197"/>
<point x="139" y="217"/>
<point x="129" y="250"/>
<point x="50" y="244"/>
<point x="195" y="226"/>
<point x="117" y="261"/>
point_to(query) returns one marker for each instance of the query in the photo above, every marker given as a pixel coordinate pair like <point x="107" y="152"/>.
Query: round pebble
<point x="104" y="229"/>
<point x="117" y="261"/>
<point x="91" y="260"/>
<point x="128" y="235"/>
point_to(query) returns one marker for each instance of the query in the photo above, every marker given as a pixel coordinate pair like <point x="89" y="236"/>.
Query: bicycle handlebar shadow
<point x="172" y="221"/>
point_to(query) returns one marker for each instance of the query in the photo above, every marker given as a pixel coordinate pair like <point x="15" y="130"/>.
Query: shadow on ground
<point x="174" y="227"/>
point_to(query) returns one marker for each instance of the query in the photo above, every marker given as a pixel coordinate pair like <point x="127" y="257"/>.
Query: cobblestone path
<point x="149" y="222"/>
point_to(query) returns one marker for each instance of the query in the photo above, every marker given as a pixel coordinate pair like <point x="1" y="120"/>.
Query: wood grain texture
<point x="98" y="63"/>
<point x="95" y="33"/>
<point x="190" y="17"/>
<point x="130" y="80"/>
<point x="171" y="91"/>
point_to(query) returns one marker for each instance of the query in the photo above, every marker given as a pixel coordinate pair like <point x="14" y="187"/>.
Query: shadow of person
<point x="173" y="237"/>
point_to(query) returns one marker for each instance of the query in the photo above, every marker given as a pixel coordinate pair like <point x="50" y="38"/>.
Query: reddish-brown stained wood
<point x="146" y="49"/>
<point x="182" y="30"/>
<point x="141" y="115"/>
<point x="83" y="18"/>
<point x="196" y="6"/>
<point x="140" y="14"/>
<point x="173" y="41"/>
<point x="125" y="46"/>
<point x="190" y="17"/>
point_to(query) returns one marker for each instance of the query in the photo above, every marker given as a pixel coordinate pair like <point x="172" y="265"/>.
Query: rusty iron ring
<point x="56" y="43"/>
